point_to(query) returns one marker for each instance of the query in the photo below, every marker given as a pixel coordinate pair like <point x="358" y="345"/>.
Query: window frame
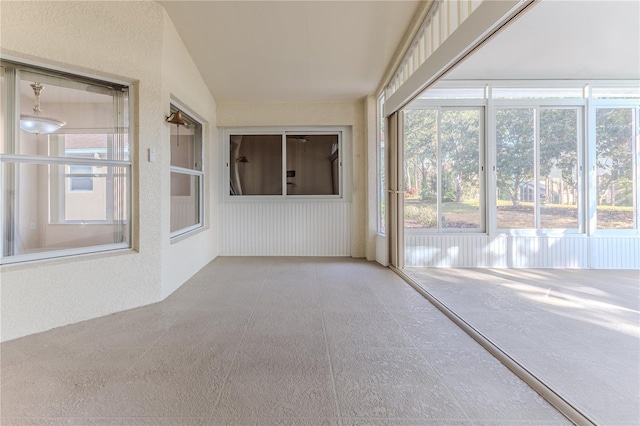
<point x="84" y="175"/>
<point x="591" y="166"/>
<point x="199" y="174"/>
<point x="10" y="121"/>
<point x="538" y="105"/>
<point x="342" y="133"/>
<point x="458" y="105"/>
<point x="57" y="200"/>
<point x="381" y="167"/>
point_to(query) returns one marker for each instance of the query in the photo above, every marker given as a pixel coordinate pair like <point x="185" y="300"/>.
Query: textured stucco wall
<point x="182" y="82"/>
<point x="127" y="41"/>
<point x="230" y="114"/>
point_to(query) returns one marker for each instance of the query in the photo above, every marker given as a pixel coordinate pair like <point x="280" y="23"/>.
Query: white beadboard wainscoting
<point x="508" y="251"/>
<point x="286" y="229"/>
<point x="615" y="253"/>
<point x="443" y="250"/>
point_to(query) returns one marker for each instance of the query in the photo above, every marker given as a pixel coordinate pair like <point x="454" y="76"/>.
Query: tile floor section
<point x="577" y="330"/>
<point x="266" y="341"/>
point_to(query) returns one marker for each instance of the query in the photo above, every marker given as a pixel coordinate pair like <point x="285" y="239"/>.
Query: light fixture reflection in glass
<point x="35" y="123"/>
<point x="39" y="125"/>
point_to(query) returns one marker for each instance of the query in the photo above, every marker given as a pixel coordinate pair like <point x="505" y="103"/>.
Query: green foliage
<point x="515" y="151"/>
<point x="614" y="155"/>
<point x="559" y="143"/>
<point x="459" y="150"/>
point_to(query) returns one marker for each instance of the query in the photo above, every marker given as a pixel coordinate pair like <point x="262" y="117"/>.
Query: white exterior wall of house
<point x="133" y="42"/>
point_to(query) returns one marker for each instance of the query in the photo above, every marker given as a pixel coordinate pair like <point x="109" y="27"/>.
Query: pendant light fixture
<point x="35" y="123"/>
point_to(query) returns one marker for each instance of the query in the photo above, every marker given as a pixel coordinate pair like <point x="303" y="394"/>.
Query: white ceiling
<point x="291" y="51"/>
<point x="562" y="40"/>
<point x="306" y="51"/>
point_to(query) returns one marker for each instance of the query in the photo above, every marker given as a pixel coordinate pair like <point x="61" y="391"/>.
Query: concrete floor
<point x="289" y="341"/>
<point x="577" y="330"/>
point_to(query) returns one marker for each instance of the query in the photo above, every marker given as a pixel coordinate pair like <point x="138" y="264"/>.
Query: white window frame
<point x="80" y="175"/>
<point x="343" y="134"/>
<point x="381" y="165"/>
<point x="592" y="193"/>
<point x="199" y="174"/>
<point x="537" y="105"/>
<point x="453" y="105"/>
<point x="12" y="131"/>
<point x="587" y="105"/>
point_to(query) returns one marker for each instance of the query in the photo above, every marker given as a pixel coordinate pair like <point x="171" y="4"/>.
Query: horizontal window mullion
<point x="35" y="159"/>
<point x="86" y="175"/>
<point x="52" y="254"/>
<point x="175" y="169"/>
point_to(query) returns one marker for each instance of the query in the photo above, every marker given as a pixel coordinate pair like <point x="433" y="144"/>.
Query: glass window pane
<point x="72" y="106"/>
<point x="437" y="92"/>
<point x="80" y="178"/>
<point x="558" y="168"/>
<point x="53" y="208"/>
<point x="185" y="200"/>
<point x="421" y="169"/>
<point x="313" y="165"/>
<point x="629" y="92"/>
<point x="537" y="92"/>
<point x="382" y="196"/>
<point x="255" y="163"/>
<point x="460" y="165"/>
<point x="99" y="146"/>
<point x="70" y="219"/>
<point x="186" y="144"/>
<point x="515" y="168"/>
<point x="614" y="158"/>
<point x="3" y="109"/>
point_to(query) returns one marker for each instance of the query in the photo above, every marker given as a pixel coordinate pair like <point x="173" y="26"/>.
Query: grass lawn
<point x="422" y="215"/>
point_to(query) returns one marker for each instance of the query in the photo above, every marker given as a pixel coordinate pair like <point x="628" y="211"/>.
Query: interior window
<point x="186" y="174"/>
<point x="284" y="164"/>
<point x="66" y="177"/>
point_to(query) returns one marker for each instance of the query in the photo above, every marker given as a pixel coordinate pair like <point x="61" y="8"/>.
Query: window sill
<point x="28" y="261"/>
<point x="190" y="233"/>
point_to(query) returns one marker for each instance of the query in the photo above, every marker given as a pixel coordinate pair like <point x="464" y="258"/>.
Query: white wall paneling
<point x="445" y="250"/>
<point x="615" y="253"/>
<point x="286" y="229"/>
<point x="539" y="252"/>
<point x="510" y="251"/>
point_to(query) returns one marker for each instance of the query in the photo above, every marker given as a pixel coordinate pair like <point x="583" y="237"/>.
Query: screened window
<point x="537" y="168"/>
<point x="285" y="164"/>
<point x="187" y="175"/>
<point x="382" y="173"/>
<point x="443" y="163"/>
<point x="616" y="150"/>
<point x="66" y="174"/>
